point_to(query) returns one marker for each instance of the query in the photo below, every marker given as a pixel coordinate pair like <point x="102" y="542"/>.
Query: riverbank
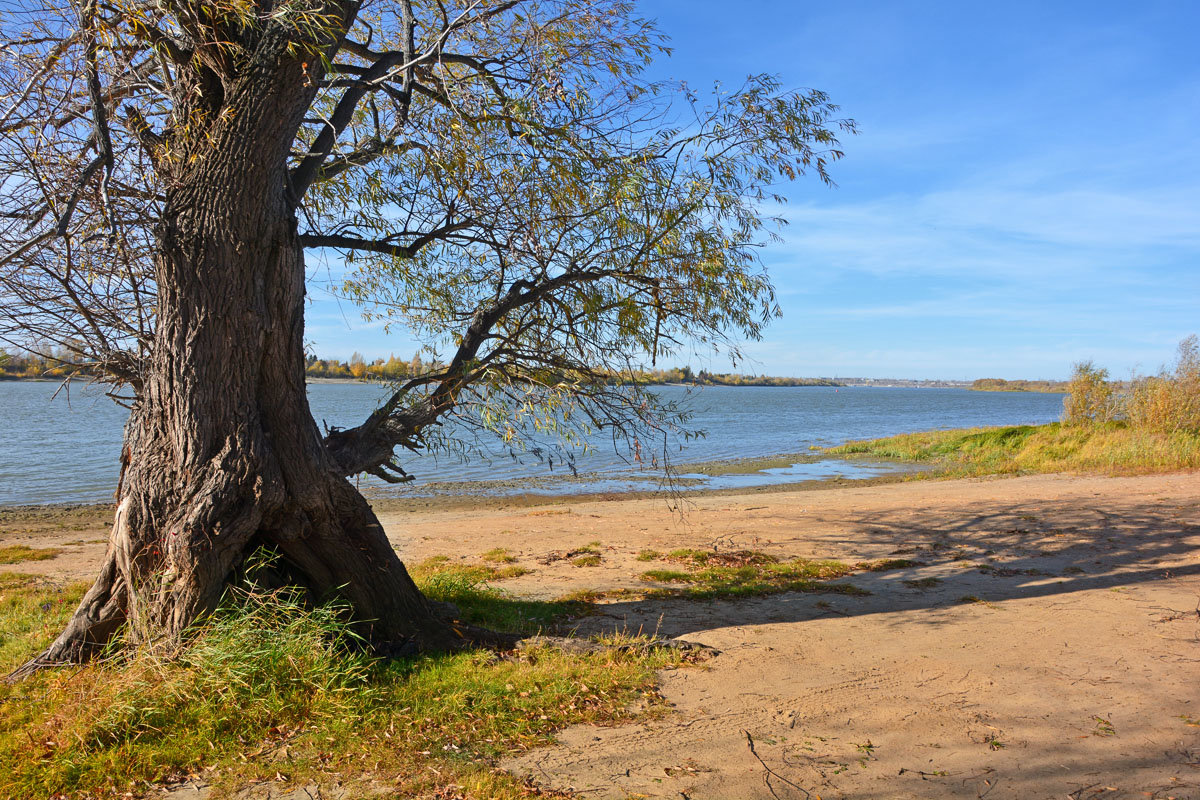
<point x="1030" y="637"/>
<point x="1110" y="449"/>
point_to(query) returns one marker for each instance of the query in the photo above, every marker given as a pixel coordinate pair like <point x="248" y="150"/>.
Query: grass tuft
<point x="922" y="583"/>
<point x="888" y="564"/>
<point x="746" y="573"/>
<point x="498" y="555"/>
<point x="733" y="558"/>
<point x="16" y="553"/>
<point x="441" y="568"/>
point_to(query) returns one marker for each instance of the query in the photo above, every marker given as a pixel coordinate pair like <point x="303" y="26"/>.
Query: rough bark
<point x="221" y="452"/>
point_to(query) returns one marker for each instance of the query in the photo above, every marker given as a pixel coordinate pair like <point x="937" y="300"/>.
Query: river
<point x="65" y="449"/>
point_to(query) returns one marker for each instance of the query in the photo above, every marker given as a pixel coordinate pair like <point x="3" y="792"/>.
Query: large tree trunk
<point x="222" y="455"/>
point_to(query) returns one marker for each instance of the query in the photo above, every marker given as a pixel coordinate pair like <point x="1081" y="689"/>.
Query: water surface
<point x="65" y="449"/>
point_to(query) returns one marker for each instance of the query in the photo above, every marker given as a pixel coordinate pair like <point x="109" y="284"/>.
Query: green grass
<point x="268" y="686"/>
<point x="480" y="603"/>
<point x="15" y="554"/>
<point x="649" y="555"/>
<point x="707" y="575"/>
<point x="1112" y="448"/>
<point x="32" y="612"/>
<point x="498" y="555"/>
<point x="731" y="558"/>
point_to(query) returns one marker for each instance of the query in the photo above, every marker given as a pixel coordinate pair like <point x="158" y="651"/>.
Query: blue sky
<point x="1024" y="192"/>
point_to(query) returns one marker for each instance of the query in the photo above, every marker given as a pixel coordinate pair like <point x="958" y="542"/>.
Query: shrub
<point x="1170" y="401"/>
<point x="1089" y="396"/>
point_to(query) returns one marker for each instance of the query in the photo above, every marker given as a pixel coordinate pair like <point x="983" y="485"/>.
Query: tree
<point x="500" y="179"/>
<point x="358" y="366"/>
<point x="1089" y="397"/>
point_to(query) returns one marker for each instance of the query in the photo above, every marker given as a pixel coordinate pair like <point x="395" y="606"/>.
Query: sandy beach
<point x="1048" y="644"/>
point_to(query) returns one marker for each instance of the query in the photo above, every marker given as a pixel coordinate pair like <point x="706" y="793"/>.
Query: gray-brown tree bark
<point x="222" y="455"/>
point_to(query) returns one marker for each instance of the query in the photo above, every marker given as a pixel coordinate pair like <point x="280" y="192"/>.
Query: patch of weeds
<point x="1103" y="727"/>
<point x="267" y="680"/>
<point x="709" y="576"/>
<point x="1073" y="570"/>
<point x="886" y="564"/>
<point x="498" y="555"/>
<point x="1189" y="721"/>
<point x="971" y="598"/>
<point x="15" y="554"/>
<point x="1007" y="572"/>
<point x="580" y="556"/>
<point x="648" y="555"/>
<point x="733" y="558"/>
<point x="995" y="744"/>
<point x="549" y="512"/>
<point x="668" y="576"/>
<point x="473" y="573"/>
<point x="922" y="583"/>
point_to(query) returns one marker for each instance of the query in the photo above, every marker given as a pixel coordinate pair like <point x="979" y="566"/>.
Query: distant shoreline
<point x="982" y="385"/>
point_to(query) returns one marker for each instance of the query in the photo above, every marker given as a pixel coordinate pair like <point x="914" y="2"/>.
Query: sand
<point x="1073" y="671"/>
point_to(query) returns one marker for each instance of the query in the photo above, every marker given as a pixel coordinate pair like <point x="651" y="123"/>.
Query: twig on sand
<point x="771" y="772"/>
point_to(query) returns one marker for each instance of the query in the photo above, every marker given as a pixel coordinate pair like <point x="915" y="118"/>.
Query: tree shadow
<point x="1009" y="551"/>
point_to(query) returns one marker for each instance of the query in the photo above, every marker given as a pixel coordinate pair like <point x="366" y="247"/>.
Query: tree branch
<point x="385" y="248"/>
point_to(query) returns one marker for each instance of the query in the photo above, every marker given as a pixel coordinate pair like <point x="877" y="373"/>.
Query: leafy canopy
<point x="500" y="177"/>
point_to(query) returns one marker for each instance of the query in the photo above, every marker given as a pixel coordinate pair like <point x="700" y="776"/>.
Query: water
<point x="55" y="451"/>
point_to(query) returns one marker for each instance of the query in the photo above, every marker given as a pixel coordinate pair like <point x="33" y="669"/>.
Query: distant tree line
<point x="41" y="363"/>
<point x="358" y="368"/>
<point x="50" y="362"/>
<point x="393" y="369"/>
<point x="706" y="378"/>
<point x="1001" y="385"/>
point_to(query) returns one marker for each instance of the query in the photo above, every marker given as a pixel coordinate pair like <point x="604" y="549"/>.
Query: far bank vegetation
<point x="1150" y="423"/>
<point x="1002" y="385"/>
<point x="394" y="369"/>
